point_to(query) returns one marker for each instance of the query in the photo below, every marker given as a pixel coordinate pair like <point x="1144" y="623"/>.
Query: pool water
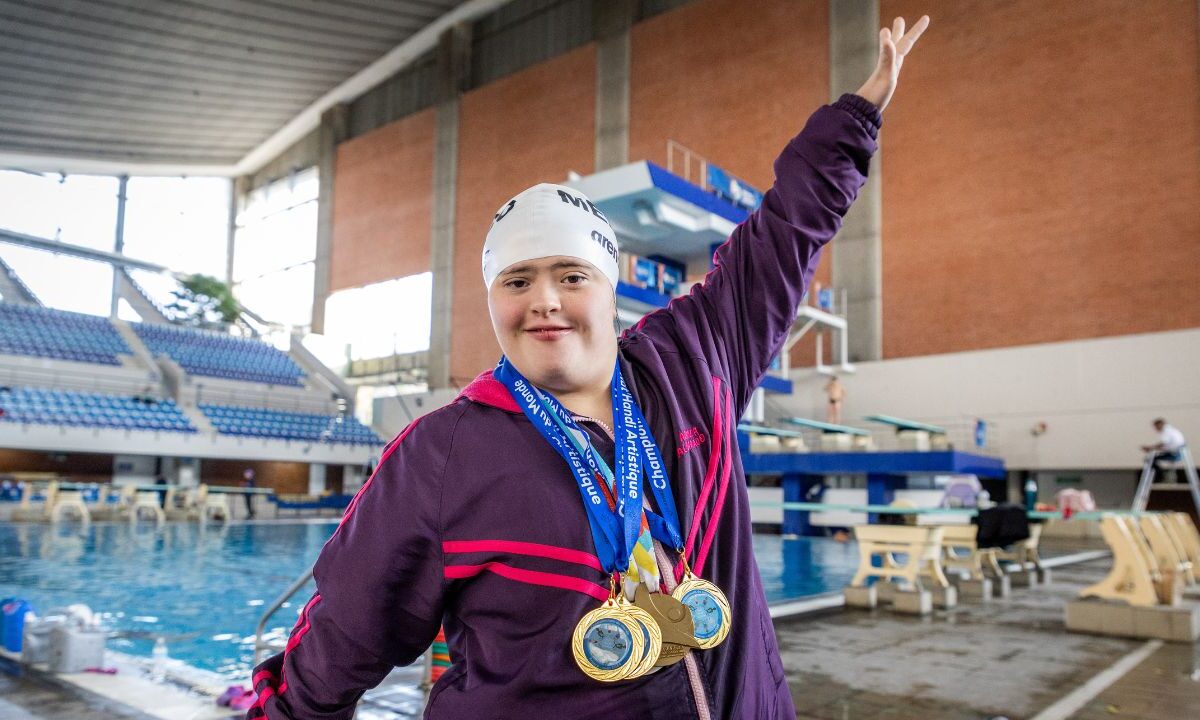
<point x="204" y="588"/>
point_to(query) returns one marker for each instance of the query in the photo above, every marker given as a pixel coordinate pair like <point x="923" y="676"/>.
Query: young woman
<point x="511" y="515"/>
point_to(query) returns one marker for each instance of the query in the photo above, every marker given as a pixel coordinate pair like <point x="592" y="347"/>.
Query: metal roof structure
<point x="193" y="86"/>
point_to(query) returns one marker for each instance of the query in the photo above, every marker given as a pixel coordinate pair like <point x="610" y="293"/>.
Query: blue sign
<point x="980" y="433"/>
<point x="734" y="190"/>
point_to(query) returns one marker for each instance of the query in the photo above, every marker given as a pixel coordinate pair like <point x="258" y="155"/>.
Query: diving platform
<point x="827" y="427"/>
<point x="656" y="212"/>
<point x="914" y="435"/>
<point x="803" y="473"/>
<point x="902" y="424"/>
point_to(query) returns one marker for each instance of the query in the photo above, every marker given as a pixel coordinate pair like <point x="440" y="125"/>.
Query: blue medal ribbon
<point x="612" y="545"/>
<point x="635" y="453"/>
<point x="665" y="526"/>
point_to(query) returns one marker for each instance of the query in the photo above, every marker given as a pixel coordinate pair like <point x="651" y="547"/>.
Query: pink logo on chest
<point x="689" y="440"/>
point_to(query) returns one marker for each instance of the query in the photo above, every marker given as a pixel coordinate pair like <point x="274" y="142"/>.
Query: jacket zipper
<point x="667" y="572"/>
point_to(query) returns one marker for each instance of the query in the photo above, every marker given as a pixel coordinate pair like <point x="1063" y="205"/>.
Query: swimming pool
<point x="203" y="588"/>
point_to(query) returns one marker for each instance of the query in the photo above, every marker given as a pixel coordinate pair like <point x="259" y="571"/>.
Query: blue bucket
<point x="13" y="626"/>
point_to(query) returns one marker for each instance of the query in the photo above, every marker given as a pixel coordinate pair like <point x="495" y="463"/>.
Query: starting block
<point x="1142" y="596"/>
<point x="900" y="581"/>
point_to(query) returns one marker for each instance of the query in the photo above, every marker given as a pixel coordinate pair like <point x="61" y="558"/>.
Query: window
<point x="382" y="319"/>
<point x="275" y="247"/>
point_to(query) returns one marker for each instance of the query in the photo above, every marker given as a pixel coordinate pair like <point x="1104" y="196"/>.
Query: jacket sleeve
<point x="744" y="308"/>
<point x="378" y="602"/>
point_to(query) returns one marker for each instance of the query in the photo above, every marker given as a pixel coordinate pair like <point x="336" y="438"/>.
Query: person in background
<point x="248" y="483"/>
<point x="837" y="393"/>
<point x="160" y="479"/>
<point x="1166" y="450"/>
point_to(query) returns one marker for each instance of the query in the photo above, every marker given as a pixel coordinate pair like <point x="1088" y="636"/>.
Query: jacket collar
<point x="487" y="390"/>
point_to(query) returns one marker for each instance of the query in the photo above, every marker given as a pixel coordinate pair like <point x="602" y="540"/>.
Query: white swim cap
<point x="548" y="220"/>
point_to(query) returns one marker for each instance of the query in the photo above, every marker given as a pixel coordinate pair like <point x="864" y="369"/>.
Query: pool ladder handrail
<point x="259" y="643"/>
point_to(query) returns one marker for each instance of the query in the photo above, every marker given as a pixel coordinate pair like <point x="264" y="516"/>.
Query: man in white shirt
<point x="1170" y="440"/>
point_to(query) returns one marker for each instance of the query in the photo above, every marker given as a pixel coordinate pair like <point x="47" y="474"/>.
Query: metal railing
<point x="688" y="159"/>
<point x="259" y="643"/>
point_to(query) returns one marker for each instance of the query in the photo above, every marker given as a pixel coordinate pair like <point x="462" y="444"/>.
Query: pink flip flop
<point x="231" y="692"/>
<point x="244" y="702"/>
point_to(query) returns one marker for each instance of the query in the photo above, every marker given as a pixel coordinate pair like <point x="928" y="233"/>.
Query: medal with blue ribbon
<point x="711" y="615"/>
<point x="617" y="640"/>
<point x="621" y="640"/>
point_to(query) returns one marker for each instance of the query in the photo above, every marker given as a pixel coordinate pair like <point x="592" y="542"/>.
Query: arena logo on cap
<point x="582" y="204"/>
<point x="506" y="210"/>
<point x="607" y="244"/>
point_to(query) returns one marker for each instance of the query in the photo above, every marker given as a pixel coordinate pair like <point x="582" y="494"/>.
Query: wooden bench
<point x="67" y="502"/>
<point x="920" y="546"/>
<point x="1170" y="556"/>
<point x="211" y="506"/>
<point x="1025" y="552"/>
<point x="1136" y="577"/>
<point x="146" y="501"/>
<point x="961" y="552"/>
<point x="1187" y="536"/>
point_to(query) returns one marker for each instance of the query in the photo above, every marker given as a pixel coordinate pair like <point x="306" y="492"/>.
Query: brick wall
<point x="382" y="203"/>
<point x="1041" y="166"/>
<point x="1041" y="175"/>
<point x="733" y="82"/>
<point x="530" y="127"/>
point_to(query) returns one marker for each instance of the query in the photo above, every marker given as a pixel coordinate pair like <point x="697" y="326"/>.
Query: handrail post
<point x="292" y="589"/>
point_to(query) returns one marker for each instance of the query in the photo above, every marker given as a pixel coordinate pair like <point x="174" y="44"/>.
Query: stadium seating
<point x="43" y="332"/>
<point x="277" y="424"/>
<point x="83" y="409"/>
<point x="211" y="354"/>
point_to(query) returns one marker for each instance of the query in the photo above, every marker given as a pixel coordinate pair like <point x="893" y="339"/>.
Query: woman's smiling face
<point x="553" y="317"/>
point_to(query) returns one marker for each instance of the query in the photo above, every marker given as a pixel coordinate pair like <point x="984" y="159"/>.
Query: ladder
<point x="1189" y="469"/>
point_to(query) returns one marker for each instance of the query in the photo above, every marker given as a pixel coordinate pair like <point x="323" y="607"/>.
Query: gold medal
<point x="651" y="632"/>
<point x="709" y="606"/>
<point x="609" y="643"/>
<point x="675" y="621"/>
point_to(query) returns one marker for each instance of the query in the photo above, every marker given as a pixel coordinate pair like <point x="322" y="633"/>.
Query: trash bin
<point x="35" y="647"/>
<point x="74" y="649"/>
<point x="13" y="625"/>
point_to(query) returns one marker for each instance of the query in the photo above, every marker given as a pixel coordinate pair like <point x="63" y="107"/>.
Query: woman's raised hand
<point x="894" y="44"/>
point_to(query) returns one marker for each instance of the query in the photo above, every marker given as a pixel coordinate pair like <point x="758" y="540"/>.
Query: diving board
<point x="827" y="427"/>
<point x="902" y="424"/>
<point x="763" y="439"/>
<point x="764" y="430"/>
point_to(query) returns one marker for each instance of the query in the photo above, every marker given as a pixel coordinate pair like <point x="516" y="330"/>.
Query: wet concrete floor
<point x="1008" y="658"/>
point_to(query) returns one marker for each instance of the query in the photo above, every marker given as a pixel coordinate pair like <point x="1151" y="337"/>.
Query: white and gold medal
<point x="710" y="609"/>
<point x="609" y="642"/>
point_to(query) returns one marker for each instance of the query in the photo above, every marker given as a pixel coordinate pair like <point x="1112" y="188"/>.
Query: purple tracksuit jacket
<point x="472" y="520"/>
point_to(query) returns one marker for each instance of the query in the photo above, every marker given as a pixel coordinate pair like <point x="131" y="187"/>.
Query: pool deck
<point x="1009" y="658"/>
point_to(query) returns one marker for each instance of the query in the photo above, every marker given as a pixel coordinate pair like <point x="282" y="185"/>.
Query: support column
<point x="236" y="195"/>
<point x="335" y="123"/>
<point x="858" y="254"/>
<point x="796" y="488"/>
<point x="881" y="490"/>
<point x="612" y="20"/>
<point x="119" y="242"/>
<point x="316" y="479"/>
<point x="187" y="472"/>
<point x="453" y="72"/>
